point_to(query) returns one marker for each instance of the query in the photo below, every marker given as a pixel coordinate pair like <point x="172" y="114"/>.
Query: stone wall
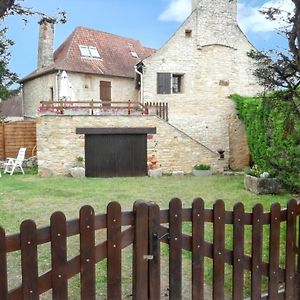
<point x="85" y="86"/>
<point x="58" y="145"/>
<point x="214" y="64"/>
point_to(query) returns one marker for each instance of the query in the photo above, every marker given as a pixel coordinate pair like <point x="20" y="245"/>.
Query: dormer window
<point x="89" y="51"/>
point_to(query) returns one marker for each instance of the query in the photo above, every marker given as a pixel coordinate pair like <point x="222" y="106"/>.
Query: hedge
<point x="273" y="133"/>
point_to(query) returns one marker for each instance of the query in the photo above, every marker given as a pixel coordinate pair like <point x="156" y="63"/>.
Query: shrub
<point x="273" y="132"/>
<point x="201" y="167"/>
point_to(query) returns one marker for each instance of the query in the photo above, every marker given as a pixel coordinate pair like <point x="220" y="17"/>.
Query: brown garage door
<point x="116" y="152"/>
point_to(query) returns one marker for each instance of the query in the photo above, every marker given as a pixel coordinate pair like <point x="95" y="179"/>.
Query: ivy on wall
<point x="273" y="133"/>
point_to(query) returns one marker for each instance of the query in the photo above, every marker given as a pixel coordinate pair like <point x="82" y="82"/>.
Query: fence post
<point x="3" y="264"/>
<point x="114" y="247"/>
<point x="154" y="250"/>
<point x="140" y="252"/>
<point x="3" y="141"/>
<point x="175" y="249"/>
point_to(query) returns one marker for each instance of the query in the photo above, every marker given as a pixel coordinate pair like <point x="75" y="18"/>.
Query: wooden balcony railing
<point x="161" y="109"/>
<point x="96" y="107"/>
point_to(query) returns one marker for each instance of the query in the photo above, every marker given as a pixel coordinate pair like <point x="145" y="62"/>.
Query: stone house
<point x="100" y="65"/>
<point x="194" y="72"/>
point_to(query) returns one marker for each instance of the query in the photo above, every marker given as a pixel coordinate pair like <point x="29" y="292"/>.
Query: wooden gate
<point x="115" y="152"/>
<point x="146" y="227"/>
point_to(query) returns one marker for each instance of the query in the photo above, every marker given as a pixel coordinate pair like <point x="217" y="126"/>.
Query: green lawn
<point x="29" y="196"/>
<point x="23" y="197"/>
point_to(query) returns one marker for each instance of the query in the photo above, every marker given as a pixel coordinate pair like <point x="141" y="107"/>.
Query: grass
<point x="31" y="197"/>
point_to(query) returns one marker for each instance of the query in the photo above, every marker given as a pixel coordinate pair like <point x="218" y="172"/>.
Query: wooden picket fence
<point x="146" y="227"/>
<point x="15" y="135"/>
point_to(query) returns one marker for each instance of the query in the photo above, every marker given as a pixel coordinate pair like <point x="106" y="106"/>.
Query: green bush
<point x="202" y="167"/>
<point x="273" y="132"/>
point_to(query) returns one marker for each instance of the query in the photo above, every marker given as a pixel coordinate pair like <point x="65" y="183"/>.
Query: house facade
<point x="196" y="70"/>
<point x="99" y="65"/>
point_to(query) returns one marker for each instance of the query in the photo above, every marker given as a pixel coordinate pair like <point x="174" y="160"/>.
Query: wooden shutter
<point x="163" y="83"/>
<point x="105" y="90"/>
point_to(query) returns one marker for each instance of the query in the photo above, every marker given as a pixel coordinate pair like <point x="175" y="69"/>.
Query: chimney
<point x="46" y="41"/>
<point x="217" y="9"/>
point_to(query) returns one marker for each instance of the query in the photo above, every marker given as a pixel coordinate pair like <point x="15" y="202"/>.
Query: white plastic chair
<point x="13" y="163"/>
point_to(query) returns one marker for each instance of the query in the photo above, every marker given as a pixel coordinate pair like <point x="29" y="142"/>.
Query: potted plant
<point x="261" y="182"/>
<point x="202" y="170"/>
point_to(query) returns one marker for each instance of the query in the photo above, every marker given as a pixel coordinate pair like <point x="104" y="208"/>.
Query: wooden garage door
<point x="116" y="155"/>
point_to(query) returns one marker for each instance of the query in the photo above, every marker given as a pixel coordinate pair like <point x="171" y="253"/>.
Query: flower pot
<point x="261" y="186"/>
<point x="202" y="172"/>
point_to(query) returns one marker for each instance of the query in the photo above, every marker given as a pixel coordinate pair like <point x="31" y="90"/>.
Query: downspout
<point x="56" y="86"/>
<point x="142" y="84"/>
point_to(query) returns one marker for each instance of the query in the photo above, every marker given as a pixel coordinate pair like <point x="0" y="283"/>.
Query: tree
<point x="14" y="7"/>
<point x="7" y="78"/>
<point x="281" y="69"/>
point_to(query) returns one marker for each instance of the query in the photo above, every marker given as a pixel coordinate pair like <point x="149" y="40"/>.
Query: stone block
<point x="45" y="172"/>
<point x="77" y="172"/>
<point x="261" y="186"/>
<point x="155" y="172"/>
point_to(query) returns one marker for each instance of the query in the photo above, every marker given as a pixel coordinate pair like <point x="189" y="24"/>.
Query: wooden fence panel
<point x="15" y="135"/>
<point x="114" y="251"/>
<point x="218" y="252"/>
<point x="238" y="252"/>
<point x="198" y="217"/>
<point x="175" y="251"/>
<point x="29" y="260"/>
<point x="59" y="256"/>
<point x="154" y="250"/>
<point x="274" y="246"/>
<point x="257" y="245"/>
<point x="140" y="251"/>
<point x="290" y="260"/>
<point x="87" y="253"/>
<point x="147" y="229"/>
<point x="3" y="266"/>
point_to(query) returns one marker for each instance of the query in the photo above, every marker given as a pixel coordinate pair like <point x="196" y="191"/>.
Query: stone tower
<point x="216" y="22"/>
<point x="46" y="40"/>
<point x="217" y="9"/>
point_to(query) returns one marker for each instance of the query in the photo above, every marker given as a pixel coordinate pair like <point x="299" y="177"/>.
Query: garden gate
<point x="273" y="269"/>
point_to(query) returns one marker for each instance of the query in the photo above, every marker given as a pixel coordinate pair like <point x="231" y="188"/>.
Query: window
<point x="89" y="51"/>
<point x="94" y="52"/>
<point x="188" y="33"/>
<point x="51" y="93"/>
<point x="84" y="50"/>
<point x="168" y="83"/>
<point x="177" y="83"/>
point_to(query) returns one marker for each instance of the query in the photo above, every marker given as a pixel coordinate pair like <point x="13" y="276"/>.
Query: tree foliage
<point x="8" y="8"/>
<point x="281" y="69"/>
<point x="273" y="132"/>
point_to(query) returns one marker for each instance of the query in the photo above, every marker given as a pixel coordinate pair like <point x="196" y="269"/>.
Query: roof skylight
<point x="89" y="51"/>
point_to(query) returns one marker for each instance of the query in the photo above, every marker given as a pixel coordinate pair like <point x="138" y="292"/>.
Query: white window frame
<point x="84" y="51"/>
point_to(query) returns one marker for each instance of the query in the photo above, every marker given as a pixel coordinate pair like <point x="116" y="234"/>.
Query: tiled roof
<point x="12" y="107"/>
<point x="115" y="52"/>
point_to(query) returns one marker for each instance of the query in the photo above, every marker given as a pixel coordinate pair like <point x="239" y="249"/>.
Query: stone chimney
<point x="217" y="9"/>
<point x="46" y="42"/>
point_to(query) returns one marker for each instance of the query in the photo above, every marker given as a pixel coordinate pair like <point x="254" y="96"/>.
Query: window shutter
<point x="163" y="83"/>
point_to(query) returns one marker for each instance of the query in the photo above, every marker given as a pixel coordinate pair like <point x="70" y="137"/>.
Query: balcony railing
<point x="99" y="108"/>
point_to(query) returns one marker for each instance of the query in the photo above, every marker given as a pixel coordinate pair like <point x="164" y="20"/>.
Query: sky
<point x="151" y="21"/>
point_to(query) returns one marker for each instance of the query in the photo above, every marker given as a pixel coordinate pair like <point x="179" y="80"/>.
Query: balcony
<point x="103" y="108"/>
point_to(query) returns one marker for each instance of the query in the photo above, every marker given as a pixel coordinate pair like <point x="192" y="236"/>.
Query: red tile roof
<point x="12" y="107"/>
<point x="115" y="52"/>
